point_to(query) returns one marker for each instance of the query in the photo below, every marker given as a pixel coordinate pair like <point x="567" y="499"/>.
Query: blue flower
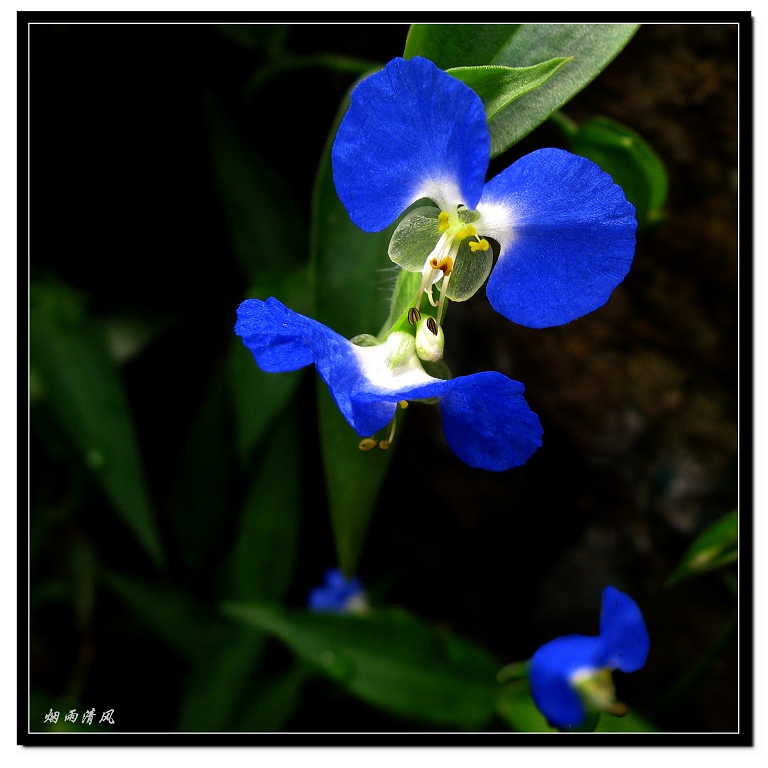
<point x="565" y="231"/>
<point x="572" y="674"/>
<point x="338" y="594"/>
<point x="486" y="420"/>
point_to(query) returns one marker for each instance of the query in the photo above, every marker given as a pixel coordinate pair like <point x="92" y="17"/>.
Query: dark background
<point x="638" y="400"/>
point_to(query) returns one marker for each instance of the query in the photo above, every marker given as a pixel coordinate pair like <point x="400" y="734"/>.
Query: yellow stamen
<point x="481" y="245"/>
<point x="443" y="219"/>
<point x="367" y="443"/>
<point x="384" y="444"/>
<point x="403" y="404"/>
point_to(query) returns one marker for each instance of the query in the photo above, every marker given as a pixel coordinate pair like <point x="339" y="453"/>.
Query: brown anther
<point x="384" y="445"/>
<point x="432" y="325"/>
<point x="445" y="265"/>
<point x="414" y="315"/>
<point x="367" y="443"/>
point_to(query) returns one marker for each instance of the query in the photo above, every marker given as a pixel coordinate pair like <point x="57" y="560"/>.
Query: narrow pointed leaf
<point x="718" y="545"/>
<point x="204" y="478"/>
<point x="263" y="555"/>
<point x="353" y="478"/>
<point x="499" y="86"/>
<point x="592" y="46"/>
<point x="81" y="382"/>
<point x="389" y="659"/>
<point x="271" y="701"/>
<point x="218" y="681"/>
<point x="173" y="615"/>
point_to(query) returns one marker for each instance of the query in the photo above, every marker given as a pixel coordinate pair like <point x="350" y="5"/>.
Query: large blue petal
<point x="550" y="671"/>
<point x="567" y="236"/>
<point x="283" y="340"/>
<point x="411" y="131"/>
<point x="486" y="420"/>
<point x="623" y="631"/>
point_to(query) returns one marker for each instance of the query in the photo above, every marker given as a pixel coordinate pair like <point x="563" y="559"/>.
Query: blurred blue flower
<point x="566" y="232"/>
<point x="338" y="594"/>
<point x="486" y="420"/>
<point x="572" y="674"/>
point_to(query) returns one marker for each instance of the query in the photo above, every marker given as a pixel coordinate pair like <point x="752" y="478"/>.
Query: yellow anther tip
<point x="367" y="443"/>
<point x="403" y="404"/>
<point x="384" y="445"/>
<point x="481" y="246"/>
<point x="444" y="216"/>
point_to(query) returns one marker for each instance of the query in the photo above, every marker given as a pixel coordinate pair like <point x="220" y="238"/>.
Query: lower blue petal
<point x="283" y="340"/>
<point x="571" y="239"/>
<point x="550" y="671"/>
<point x="486" y="420"/>
<point x="623" y="631"/>
<point x="488" y="423"/>
<point x="411" y="131"/>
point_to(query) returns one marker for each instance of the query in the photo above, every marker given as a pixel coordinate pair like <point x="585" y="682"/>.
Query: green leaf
<point x="265" y="221"/>
<point x="628" y="158"/>
<point x="173" y="615"/>
<point x="498" y="86"/>
<point x="272" y="701"/>
<point x="459" y="45"/>
<point x="592" y="46"/>
<point x="389" y="659"/>
<point x="204" y="479"/>
<point x="219" y="681"/>
<point x="717" y="546"/>
<point x="353" y="478"/>
<point x="269" y="523"/>
<point x="354" y="280"/>
<point x="80" y="381"/>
